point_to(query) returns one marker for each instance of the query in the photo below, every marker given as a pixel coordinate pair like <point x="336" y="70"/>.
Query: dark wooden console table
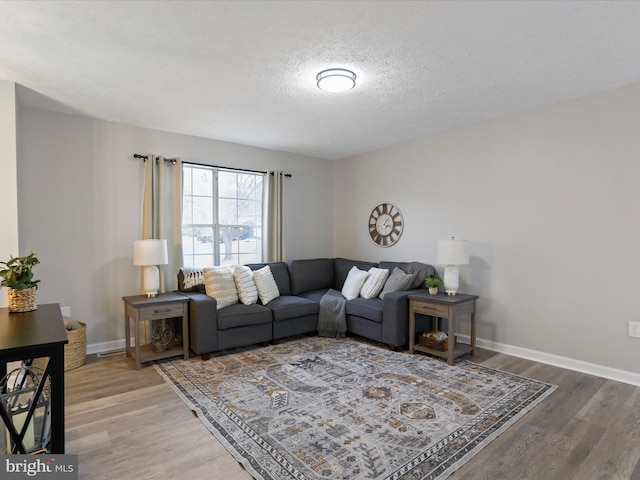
<point x="28" y="335"/>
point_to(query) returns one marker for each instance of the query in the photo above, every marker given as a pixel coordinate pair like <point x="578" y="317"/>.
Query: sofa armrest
<point x="203" y="323"/>
<point x="395" y="317"/>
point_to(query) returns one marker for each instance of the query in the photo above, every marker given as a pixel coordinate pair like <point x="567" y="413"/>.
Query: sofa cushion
<point x="247" y="291"/>
<point x="314" y="295"/>
<point x="374" y="283"/>
<point x="368" y="308"/>
<point x="286" y="307"/>
<point x="220" y="284"/>
<point x="343" y="267"/>
<point x="312" y="274"/>
<point x="420" y="271"/>
<point x="280" y="273"/>
<point x="398" y="280"/>
<point x="266" y="284"/>
<point x="240" y="315"/>
<point x="353" y="283"/>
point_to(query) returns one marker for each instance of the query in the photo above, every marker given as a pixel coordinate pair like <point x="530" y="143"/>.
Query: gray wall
<point x="549" y="201"/>
<point x="80" y="206"/>
<point x="8" y="174"/>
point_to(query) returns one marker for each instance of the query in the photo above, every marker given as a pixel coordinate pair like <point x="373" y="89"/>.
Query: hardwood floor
<point x="128" y="424"/>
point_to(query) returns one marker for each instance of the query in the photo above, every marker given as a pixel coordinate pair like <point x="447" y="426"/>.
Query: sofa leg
<point x="205" y="356"/>
<point x="275" y="341"/>
<point x="265" y="344"/>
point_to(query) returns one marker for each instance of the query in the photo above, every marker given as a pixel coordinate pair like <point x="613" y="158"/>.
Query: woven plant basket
<point x="75" y="352"/>
<point x="22" y="300"/>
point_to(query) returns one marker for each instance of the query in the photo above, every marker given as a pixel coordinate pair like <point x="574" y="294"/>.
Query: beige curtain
<point x="274" y="224"/>
<point x="162" y="213"/>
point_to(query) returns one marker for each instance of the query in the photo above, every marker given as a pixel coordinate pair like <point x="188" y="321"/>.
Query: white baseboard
<point x="105" y="347"/>
<point x="558" y="361"/>
<point x="542" y="357"/>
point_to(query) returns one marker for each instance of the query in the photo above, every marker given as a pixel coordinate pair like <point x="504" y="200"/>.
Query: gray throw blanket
<point x="332" y="318"/>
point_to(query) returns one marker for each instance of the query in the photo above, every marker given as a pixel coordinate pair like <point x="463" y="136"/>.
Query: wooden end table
<point x="451" y="307"/>
<point x="140" y="309"/>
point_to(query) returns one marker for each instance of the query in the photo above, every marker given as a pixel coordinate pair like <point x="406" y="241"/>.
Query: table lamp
<point x="451" y="253"/>
<point x="149" y="254"/>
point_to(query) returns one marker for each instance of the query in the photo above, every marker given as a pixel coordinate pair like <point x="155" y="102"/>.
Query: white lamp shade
<point x="453" y="252"/>
<point x="150" y="252"/>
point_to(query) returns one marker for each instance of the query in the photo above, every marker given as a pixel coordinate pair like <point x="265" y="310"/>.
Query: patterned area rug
<point x="319" y="408"/>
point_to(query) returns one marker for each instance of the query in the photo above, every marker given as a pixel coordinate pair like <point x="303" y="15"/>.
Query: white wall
<point x="549" y="201"/>
<point x="8" y="175"/>
<point x="80" y="196"/>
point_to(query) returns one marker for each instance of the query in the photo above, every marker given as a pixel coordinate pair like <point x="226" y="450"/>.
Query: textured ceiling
<point x="244" y="71"/>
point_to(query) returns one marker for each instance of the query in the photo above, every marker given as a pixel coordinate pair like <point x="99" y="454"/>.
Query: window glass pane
<point x="202" y="181"/>
<point x="186" y="181"/>
<point x="187" y="240"/>
<point x="202" y="210"/>
<point x="227" y="184"/>
<point x="228" y="211"/>
<point x="250" y="250"/>
<point x="204" y="235"/>
<point x="203" y="261"/>
<point x="249" y="211"/>
<point x="187" y="210"/>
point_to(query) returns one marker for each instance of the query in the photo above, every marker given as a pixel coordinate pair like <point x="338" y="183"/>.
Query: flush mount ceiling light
<point x="336" y="80"/>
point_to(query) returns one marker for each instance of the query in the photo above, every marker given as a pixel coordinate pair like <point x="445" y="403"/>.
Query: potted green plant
<point x="432" y="284"/>
<point x="17" y="276"/>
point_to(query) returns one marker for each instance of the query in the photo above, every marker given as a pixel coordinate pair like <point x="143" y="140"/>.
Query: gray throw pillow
<point x="420" y="271"/>
<point x="398" y="280"/>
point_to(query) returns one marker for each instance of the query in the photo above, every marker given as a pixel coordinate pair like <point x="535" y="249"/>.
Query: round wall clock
<point x="386" y="224"/>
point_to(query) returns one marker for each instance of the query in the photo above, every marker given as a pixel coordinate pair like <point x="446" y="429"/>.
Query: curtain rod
<point x="233" y="168"/>
<point x="172" y="161"/>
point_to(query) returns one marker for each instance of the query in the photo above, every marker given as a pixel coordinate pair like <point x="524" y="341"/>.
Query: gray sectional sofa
<point x="301" y="283"/>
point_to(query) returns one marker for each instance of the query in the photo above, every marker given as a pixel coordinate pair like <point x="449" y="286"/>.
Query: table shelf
<point x="148" y="353"/>
<point x="459" y="350"/>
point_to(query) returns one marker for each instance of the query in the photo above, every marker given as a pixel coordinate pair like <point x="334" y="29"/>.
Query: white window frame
<point x="196" y="253"/>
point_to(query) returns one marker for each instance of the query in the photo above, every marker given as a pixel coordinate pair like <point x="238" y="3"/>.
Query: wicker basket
<point x="22" y="300"/>
<point x="75" y="352"/>
<point x="428" y="340"/>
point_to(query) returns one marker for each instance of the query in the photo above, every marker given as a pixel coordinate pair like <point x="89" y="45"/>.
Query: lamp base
<point x="451" y="294"/>
<point x="151" y="280"/>
<point x="451" y="280"/>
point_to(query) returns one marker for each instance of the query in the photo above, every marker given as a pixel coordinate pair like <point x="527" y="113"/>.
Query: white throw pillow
<point x="266" y="284"/>
<point x="374" y="283"/>
<point x="247" y="291"/>
<point x="353" y="283"/>
<point x="220" y="284"/>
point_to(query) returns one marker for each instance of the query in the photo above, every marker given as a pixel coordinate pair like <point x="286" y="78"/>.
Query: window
<point x="221" y="216"/>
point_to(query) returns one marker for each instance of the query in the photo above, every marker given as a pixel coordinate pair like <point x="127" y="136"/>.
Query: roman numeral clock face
<point x="385" y="224"/>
